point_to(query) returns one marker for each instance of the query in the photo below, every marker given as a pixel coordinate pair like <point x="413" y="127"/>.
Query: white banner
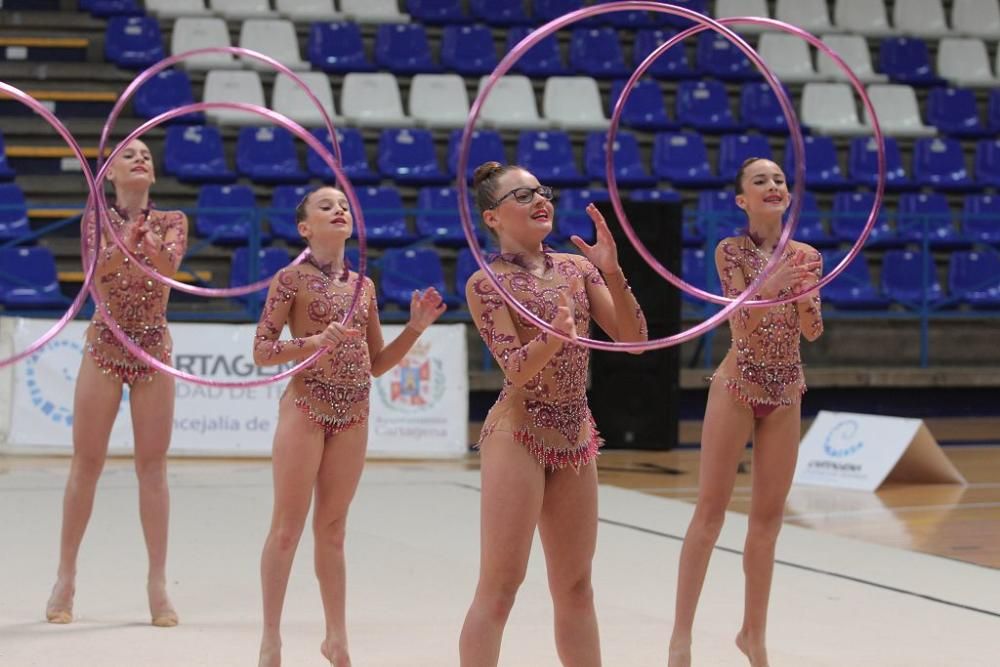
<point x="858" y="451"/>
<point x="418" y="409"/>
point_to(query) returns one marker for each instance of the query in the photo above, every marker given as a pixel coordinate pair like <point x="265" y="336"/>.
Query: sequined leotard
<point x="763" y="368"/>
<point x="333" y="392"/>
<point x="137" y="302"/>
<point x="548" y="414"/>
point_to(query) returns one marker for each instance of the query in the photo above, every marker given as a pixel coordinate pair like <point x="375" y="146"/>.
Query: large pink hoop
<point x="640" y="247"/>
<point x="91" y="267"/>
<point x="127" y="94"/>
<point x="512" y="57"/>
<point x="312" y="142"/>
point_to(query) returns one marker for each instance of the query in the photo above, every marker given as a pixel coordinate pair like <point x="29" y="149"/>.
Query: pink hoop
<point x="799" y="162"/>
<point x="91" y="267"/>
<point x="508" y="61"/>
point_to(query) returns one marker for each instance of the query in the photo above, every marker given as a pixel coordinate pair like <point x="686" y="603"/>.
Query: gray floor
<point x="412" y="550"/>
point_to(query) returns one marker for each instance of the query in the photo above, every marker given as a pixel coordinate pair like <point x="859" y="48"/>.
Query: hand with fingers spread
<point x="793" y="275"/>
<point x="425" y="308"/>
<point x="604" y="253"/>
<point x="565" y="319"/>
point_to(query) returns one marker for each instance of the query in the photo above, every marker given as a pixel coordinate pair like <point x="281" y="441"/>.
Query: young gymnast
<point x="322" y="431"/>
<point x="139" y="306"/>
<point x="539" y="441"/>
<point x="756" y="392"/>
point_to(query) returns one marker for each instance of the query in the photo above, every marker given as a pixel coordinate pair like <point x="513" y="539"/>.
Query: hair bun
<point x="484" y="171"/>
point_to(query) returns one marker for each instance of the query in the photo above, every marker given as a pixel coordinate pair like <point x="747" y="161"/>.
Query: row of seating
<point x="136" y="41"/>
<point x="916" y="17"/>
<point x="28" y="278"/>
<point x="408" y="156"/>
<point x="973" y="279"/>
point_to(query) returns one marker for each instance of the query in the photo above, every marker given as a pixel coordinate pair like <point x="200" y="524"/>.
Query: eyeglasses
<point x="525" y="195"/>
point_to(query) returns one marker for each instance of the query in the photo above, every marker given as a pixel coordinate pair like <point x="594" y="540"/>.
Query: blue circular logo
<point x="842" y="440"/>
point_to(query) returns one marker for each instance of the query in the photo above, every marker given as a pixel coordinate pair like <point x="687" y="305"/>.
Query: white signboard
<point x="859" y="451"/>
<point x="418" y="409"/>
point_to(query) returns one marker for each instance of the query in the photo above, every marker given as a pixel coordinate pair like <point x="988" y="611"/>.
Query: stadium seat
<point x="546" y="10"/>
<point x="822" y="164"/>
<point x="439" y="100"/>
<point x="288" y="98"/>
<point x="485" y="146"/>
<point x="718" y="57"/>
<point x="28" y="278"/>
<point x="672" y="64"/>
<point x="402" y="48"/>
<point x="862" y="17"/>
<point x="682" y="159"/>
<point x="511" y="105"/>
<point x="271" y="37"/>
<point x="759" y="108"/>
<point x="373" y="11"/>
<point x="436" y="12"/>
<point x="907" y="60"/>
<point x="169" y="9"/>
<point x="227" y="214"/>
<point x="735" y="148"/>
<point x="403" y="270"/>
<point x="728" y="8"/>
<point x="980" y="18"/>
<point x="704" y="105"/>
<point x="965" y="62"/>
<point x="852" y="289"/>
<point x="954" y="111"/>
<point x="629" y="168"/>
<point x="281" y="214"/>
<point x="233" y="86"/>
<point x="981" y="218"/>
<point x="133" y="42"/>
<point x="269" y="262"/>
<point x="304" y="11"/>
<point x="499" y="13"/>
<point x="811" y="229"/>
<point x="644" y="109"/>
<point x="862" y="163"/>
<point x="373" y="100"/>
<point x="384" y="216"/>
<point x="543" y="59"/>
<point x="191" y="32"/>
<point x="788" y="56"/>
<point x="927" y="214"/>
<point x="267" y="155"/>
<point x="909" y="278"/>
<point x="850" y="213"/>
<point x="573" y="103"/>
<point x="354" y="160"/>
<point x="829" y="108"/>
<point x="811" y="15"/>
<point x="241" y="9"/>
<point x="853" y="50"/>
<point x="337" y="47"/>
<point x="717" y="216"/>
<point x="166" y="90"/>
<point x="974" y="277"/>
<point x="438" y="218"/>
<point x="549" y="156"/>
<point x="597" y="52"/>
<point x="924" y="18"/>
<point x="988" y="162"/>
<point x="468" y="50"/>
<point x="571" y="213"/>
<point x="897" y="110"/>
<point x="940" y="163"/>
<point x="408" y="157"/>
<point x="111" y="8"/>
<point x="194" y="154"/>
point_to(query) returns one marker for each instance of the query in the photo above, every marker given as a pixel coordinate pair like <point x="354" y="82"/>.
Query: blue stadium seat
<point x="673" y="64"/>
<point x="571" y="213"/>
<point x="269" y="262"/>
<point x="28" y="278"/>
<point x="954" y="111"/>
<point x="542" y="60"/>
<point x="403" y="270"/>
<point x="549" y="156"/>
<point x="486" y="146"/>
<point x="974" y="277"/>
<point x="402" y="48"/>
<point x="939" y="162"/>
<point x="468" y="50"/>
<point x="499" y="13"/>
<point x="597" y="52"/>
<point x="337" y="47"/>
<point x="850" y="213"/>
<point x="629" y="168"/>
<point x="655" y="195"/>
<point x="465" y="266"/>
<point x="385" y="217"/>
<point x="862" y="164"/>
<point x="822" y="164"/>
<point x="13" y="212"/>
<point x="167" y="90"/>
<point x="354" y="160"/>
<point x="625" y="19"/>
<point x="644" y="109"/>
<point x="718" y="216"/>
<point x="917" y="209"/>
<point x="133" y="42"/>
<point x="698" y="272"/>
<point x="854" y="288"/>
<point x="988" y="162"/>
<point x="981" y="218"/>
<point x="993" y="110"/>
<point x="903" y="278"/>
<point x="6" y="173"/>
<point x="408" y="156"/>
<point x="719" y="57"/>
<point x="546" y="10"/>
<point x="759" y="108"/>
<point x="704" y="105"/>
<point x="105" y="8"/>
<point x="267" y="155"/>
<point x="700" y="6"/>
<point x="281" y="215"/>
<point x="811" y="229"/>
<point x="906" y="60"/>
<point x="436" y="12"/>
<point x="227" y="214"/>
<point x="735" y="148"/>
<point x="682" y="159"/>
<point x="438" y="217"/>
<point x="194" y="154"/>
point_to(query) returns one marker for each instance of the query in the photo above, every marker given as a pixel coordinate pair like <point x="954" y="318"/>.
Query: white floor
<point x="413" y="542"/>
